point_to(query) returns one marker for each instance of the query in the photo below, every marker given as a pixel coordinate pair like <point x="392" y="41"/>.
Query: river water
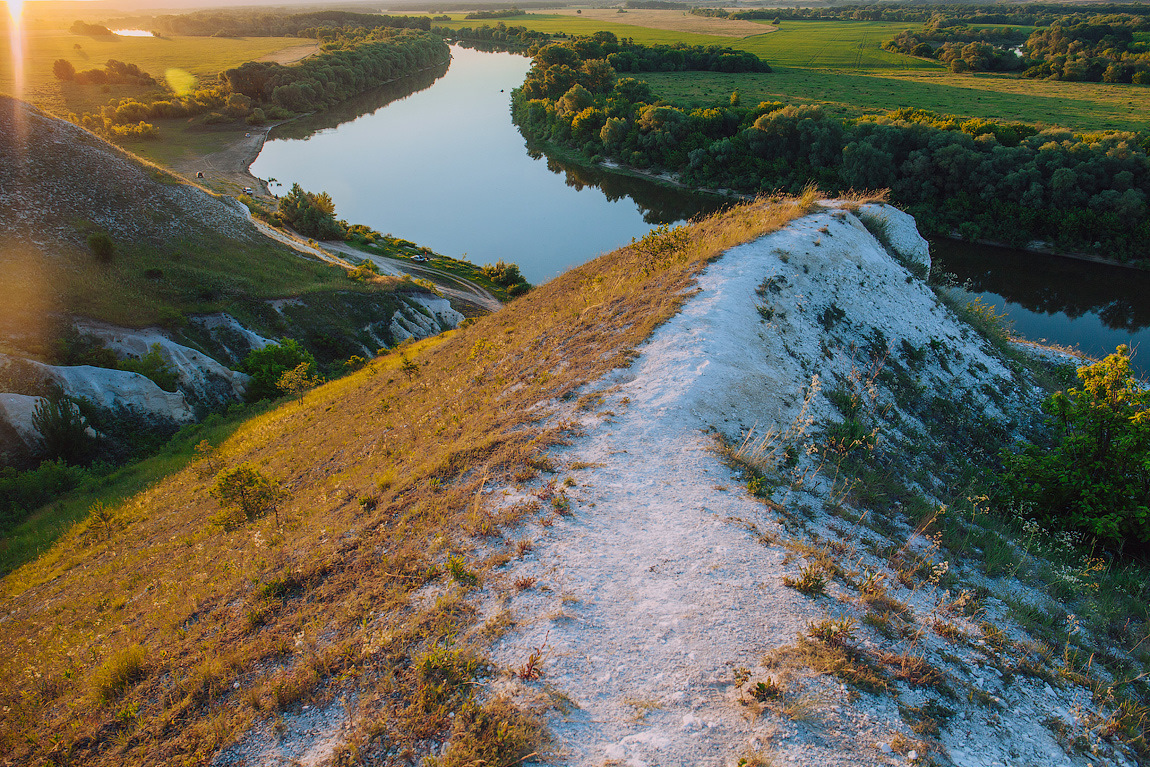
<point x="435" y="159"/>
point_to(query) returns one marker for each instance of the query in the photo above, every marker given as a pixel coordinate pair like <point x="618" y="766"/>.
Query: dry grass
<point x="183" y="590"/>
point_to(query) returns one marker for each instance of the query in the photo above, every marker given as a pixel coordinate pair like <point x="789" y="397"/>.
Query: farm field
<point x="841" y="65"/>
<point x="1077" y="106"/>
<point x="203" y="57"/>
<point x="807" y="44"/>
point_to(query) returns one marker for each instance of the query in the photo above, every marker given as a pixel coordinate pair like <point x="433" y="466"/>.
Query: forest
<point x="979" y="179"/>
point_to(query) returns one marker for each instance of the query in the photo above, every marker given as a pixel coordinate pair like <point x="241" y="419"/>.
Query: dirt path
<point x="449" y="284"/>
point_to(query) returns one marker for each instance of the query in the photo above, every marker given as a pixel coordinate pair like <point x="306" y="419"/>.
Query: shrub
<point x="267" y="366"/>
<point x="102" y="246"/>
<point x="1096" y="476"/>
<point x="247" y="490"/>
<point x="63" y="69"/>
<point x="125" y="667"/>
<point x="63" y="428"/>
<point x="155" y="366"/>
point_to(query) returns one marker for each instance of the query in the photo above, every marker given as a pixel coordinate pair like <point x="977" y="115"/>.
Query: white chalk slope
<point x="653" y="599"/>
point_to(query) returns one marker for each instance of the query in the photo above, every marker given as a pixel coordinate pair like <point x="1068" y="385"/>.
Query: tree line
<point x="980" y="179"/>
<point x="1023" y="14"/>
<point x="1079" y="47"/>
<point x="257" y="23"/>
<point x="258" y="91"/>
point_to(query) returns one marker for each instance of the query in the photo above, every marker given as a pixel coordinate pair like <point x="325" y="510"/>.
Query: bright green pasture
<point x="837" y="45"/>
<point x="1078" y="106"/>
<point x="849" y="45"/>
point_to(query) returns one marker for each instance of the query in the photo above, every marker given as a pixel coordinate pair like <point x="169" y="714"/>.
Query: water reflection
<point x="1092" y="306"/>
<point x="658" y="203"/>
<point x="364" y="104"/>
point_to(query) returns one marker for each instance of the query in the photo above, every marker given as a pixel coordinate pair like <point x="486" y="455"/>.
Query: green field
<point x="841" y="65"/>
<point x="1077" y="106"/>
<point x="203" y="57"/>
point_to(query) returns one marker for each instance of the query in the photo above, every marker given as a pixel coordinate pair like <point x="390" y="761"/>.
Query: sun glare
<point x="15" y="7"/>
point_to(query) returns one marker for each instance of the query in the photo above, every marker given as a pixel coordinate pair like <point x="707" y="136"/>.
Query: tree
<point x="266" y="366"/>
<point x="64" y="69"/>
<point x="297" y="381"/>
<point x="248" y="491"/>
<point x="1095" y="479"/>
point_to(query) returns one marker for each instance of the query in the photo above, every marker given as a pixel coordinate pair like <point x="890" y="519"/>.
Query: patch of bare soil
<point x="229" y="165"/>
<point x="293" y="54"/>
<point x="676" y="21"/>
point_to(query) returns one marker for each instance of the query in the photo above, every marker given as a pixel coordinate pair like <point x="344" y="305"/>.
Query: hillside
<point x="177" y="249"/>
<point x="100" y="249"/>
<point x="681" y="505"/>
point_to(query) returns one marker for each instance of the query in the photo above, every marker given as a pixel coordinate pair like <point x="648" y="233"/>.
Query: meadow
<point x="841" y="65"/>
<point x="202" y="57"/>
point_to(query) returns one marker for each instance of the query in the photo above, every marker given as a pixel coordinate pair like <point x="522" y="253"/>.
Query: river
<point x="435" y="159"/>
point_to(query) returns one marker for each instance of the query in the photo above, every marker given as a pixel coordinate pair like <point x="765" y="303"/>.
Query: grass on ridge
<point x="385" y="469"/>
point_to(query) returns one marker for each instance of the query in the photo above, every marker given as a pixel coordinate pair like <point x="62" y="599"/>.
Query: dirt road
<point x="450" y="285"/>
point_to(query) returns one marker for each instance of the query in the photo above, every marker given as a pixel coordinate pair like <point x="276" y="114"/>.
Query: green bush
<point x="22" y="492"/>
<point x="246" y="490"/>
<point x="102" y="246"/>
<point x="1095" y="478"/>
<point x="266" y="366"/>
<point x="63" y="428"/>
<point x="155" y="366"/>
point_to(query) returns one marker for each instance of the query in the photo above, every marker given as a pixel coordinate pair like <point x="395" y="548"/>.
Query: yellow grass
<point x="203" y="57"/>
<point x="385" y="469"/>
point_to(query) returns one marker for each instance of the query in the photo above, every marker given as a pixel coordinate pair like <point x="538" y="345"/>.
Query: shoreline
<point x="669" y="179"/>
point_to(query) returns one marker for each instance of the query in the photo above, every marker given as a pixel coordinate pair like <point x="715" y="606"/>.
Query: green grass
<point x="1077" y="106"/>
<point x="203" y="57"/>
<point x="37" y="533"/>
<point x="842" y="66"/>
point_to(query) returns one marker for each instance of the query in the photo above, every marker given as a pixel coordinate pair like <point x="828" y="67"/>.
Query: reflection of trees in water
<point x="657" y="203"/>
<point x="1050" y="285"/>
<point x="366" y="103"/>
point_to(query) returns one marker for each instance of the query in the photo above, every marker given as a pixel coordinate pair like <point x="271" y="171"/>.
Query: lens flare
<point x="16" y="45"/>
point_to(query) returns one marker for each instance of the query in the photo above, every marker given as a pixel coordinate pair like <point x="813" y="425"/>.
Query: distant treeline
<point x="257" y="91"/>
<point x="339" y="73"/>
<point x="503" y="13"/>
<point x="500" y="35"/>
<point x="593" y="60"/>
<point x="1026" y="14"/>
<point x="256" y="23"/>
<point x="656" y="5"/>
<point x="90" y="30"/>
<point x="978" y="178"/>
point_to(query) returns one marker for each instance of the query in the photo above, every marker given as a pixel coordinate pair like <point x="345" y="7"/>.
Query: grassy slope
<point x="169" y="258"/>
<point x="385" y="469"/>
<point x="841" y="65"/>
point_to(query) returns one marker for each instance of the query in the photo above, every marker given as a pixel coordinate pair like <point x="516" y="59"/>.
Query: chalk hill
<point x="680" y="505"/>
